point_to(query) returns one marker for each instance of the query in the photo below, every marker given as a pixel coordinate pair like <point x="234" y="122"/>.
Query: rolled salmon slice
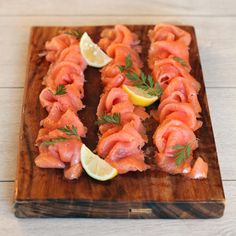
<point x="166" y="69"/>
<point x="168" y="32"/>
<point x="129" y="163"/>
<point x="180" y="111"/>
<point x="167" y="135"/>
<point x="165" y="49"/>
<point x="181" y="90"/>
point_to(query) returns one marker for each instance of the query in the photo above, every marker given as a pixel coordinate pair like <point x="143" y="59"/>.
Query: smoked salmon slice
<point x="64" y="73"/>
<point x="57" y="44"/>
<point x="181" y="90"/>
<point x="166" y="69"/>
<point x="199" y="170"/>
<point x="164" y="49"/>
<point x="119" y="35"/>
<point x="73" y="54"/>
<point x="168" y="32"/>
<point x="168" y="134"/>
<point x="129" y="163"/>
<point x="180" y="111"/>
<point x="70" y="100"/>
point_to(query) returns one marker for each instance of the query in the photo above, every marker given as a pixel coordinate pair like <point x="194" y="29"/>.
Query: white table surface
<point x="215" y="24"/>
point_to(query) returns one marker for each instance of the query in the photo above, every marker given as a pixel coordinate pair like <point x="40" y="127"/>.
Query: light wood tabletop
<point x="215" y="24"/>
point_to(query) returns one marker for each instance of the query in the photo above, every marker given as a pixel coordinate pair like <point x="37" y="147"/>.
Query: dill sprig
<point x="112" y="119"/>
<point x="75" y="33"/>
<point x="68" y="131"/>
<point x="60" y="89"/>
<point x="143" y="82"/>
<point x="180" y="61"/>
<point x="128" y="64"/>
<point x="54" y="141"/>
<point x="182" y="153"/>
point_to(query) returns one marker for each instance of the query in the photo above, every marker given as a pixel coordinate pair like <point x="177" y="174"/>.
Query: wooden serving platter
<point x="152" y="194"/>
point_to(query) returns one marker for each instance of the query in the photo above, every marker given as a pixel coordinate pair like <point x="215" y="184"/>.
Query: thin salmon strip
<point x="166" y="69"/>
<point x="73" y="54"/>
<point x="140" y="111"/>
<point x="122" y="107"/>
<point x="107" y="143"/>
<point x="165" y="49"/>
<point x="47" y="160"/>
<point x="57" y="44"/>
<point x="70" y="116"/>
<point x="104" y="128"/>
<point x="120" y="34"/>
<point x="122" y="149"/>
<point x="199" y="170"/>
<point x="135" y="120"/>
<point x="126" y="117"/>
<point x="167" y="135"/>
<point x="113" y="82"/>
<point x="115" y="96"/>
<point x="127" y="134"/>
<point x="112" y="130"/>
<point x="180" y="111"/>
<point x="129" y="163"/>
<point x="160" y="138"/>
<point x="51" y="132"/>
<point x="73" y="172"/>
<point x="70" y="100"/>
<point x="58" y="154"/>
<point x="111" y="98"/>
<point x="68" y="151"/>
<point x="181" y="90"/>
<point x="111" y="75"/>
<point x="168" y="32"/>
<point x="64" y="72"/>
<point x="120" y="51"/>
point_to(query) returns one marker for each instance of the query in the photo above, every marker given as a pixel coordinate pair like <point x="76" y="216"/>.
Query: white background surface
<point x="215" y="25"/>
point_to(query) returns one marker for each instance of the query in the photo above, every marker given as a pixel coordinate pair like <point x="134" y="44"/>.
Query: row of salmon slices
<point x="121" y="144"/>
<point x="61" y="97"/>
<point x="179" y="110"/>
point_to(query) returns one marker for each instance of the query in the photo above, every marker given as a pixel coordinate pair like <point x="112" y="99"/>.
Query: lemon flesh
<point x="139" y="96"/>
<point x="95" y="166"/>
<point x="92" y="53"/>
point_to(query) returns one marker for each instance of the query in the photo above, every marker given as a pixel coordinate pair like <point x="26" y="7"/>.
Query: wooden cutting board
<point x="152" y="194"/>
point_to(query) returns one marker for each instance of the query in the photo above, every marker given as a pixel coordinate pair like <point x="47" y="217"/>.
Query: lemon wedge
<point x="95" y="166"/>
<point x="92" y="53"/>
<point x="139" y="96"/>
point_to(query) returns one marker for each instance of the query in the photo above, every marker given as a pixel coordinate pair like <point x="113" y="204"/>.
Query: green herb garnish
<point x="60" y="89"/>
<point x="180" y="61"/>
<point x="182" y="153"/>
<point x="143" y="82"/>
<point x="75" y="33"/>
<point x="54" y="141"/>
<point x="128" y="64"/>
<point x="112" y="119"/>
<point x="70" y="131"/>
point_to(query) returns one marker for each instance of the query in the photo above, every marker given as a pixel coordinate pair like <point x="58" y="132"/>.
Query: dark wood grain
<point x="152" y="194"/>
